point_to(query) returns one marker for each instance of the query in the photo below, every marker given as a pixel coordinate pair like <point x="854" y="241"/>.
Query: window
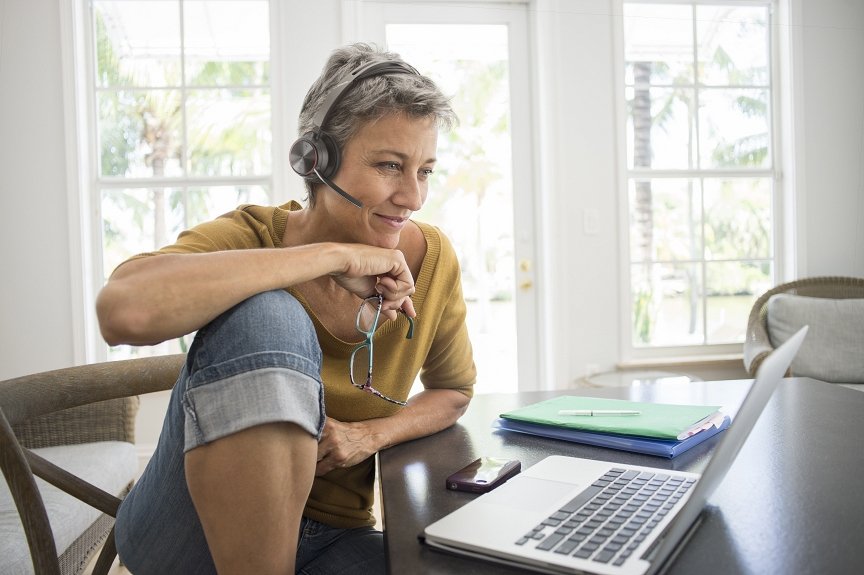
<point x="700" y="169"/>
<point x="183" y="119"/>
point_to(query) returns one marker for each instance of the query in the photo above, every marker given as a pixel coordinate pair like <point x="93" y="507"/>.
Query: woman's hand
<point x="345" y="445"/>
<point x="370" y="270"/>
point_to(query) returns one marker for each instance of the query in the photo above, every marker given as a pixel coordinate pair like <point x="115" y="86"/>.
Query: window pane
<point x="738" y="218"/>
<point x="146" y="219"/>
<point x="131" y="224"/>
<point x="733" y="45"/>
<point x="226" y="43"/>
<point x="192" y="206"/>
<point x="229" y="132"/>
<point x="660" y="133"/>
<point x="733" y="128"/>
<point x="731" y="290"/>
<point x="667" y="304"/>
<point x="137" y="43"/>
<point x="658" y="39"/>
<point x="665" y="220"/>
<point x="140" y="133"/>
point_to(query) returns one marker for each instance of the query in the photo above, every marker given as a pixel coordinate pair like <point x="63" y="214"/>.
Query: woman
<point x="250" y="475"/>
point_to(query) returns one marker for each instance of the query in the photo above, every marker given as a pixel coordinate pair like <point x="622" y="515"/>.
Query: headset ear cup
<point x="305" y="156"/>
<point x="314" y="151"/>
<point x="330" y="165"/>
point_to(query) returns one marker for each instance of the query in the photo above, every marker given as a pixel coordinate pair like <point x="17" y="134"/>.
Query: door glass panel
<point x="471" y="195"/>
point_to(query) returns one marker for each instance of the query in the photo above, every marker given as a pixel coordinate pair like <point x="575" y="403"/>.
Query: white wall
<point x="578" y="156"/>
<point x="833" y="111"/>
<point x="579" y="172"/>
<point x="35" y="306"/>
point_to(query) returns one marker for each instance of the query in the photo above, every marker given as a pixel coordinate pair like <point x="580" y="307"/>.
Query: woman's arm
<point x="346" y="444"/>
<point x="152" y="299"/>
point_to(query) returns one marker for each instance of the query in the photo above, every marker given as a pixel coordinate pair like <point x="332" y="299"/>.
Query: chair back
<point x="758" y="341"/>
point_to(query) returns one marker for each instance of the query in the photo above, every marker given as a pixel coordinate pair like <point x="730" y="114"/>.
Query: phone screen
<point x="483" y="474"/>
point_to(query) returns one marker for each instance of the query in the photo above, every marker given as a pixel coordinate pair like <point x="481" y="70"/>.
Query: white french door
<point x="482" y="192"/>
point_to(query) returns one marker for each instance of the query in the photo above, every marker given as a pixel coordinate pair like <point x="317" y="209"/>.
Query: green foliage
<point x="737" y="224"/>
<point x="643" y="313"/>
<point x="737" y="278"/>
<point x="222" y="73"/>
<point x="745" y="151"/>
<point x="108" y="64"/>
<point x="118" y="134"/>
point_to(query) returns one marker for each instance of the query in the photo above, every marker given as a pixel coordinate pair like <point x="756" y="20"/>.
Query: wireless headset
<point x="315" y="155"/>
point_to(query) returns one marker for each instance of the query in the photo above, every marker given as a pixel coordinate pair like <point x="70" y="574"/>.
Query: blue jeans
<point x="257" y="363"/>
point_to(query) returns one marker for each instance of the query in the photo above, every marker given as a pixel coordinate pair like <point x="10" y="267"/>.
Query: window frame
<point x="633" y="355"/>
<point x="85" y="183"/>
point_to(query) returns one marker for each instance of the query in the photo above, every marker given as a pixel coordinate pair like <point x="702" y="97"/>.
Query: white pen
<point x="598" y="412"/>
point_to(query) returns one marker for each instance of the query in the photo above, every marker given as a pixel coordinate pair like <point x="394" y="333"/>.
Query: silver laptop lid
<point x="770" y="373"/>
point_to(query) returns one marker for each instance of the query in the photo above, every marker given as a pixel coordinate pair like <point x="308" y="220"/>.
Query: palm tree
<point x="643" y="202"/>
<point x="160" y="115"/>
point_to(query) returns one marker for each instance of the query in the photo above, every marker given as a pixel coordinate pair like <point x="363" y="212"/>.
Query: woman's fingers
<point x="373" y="270"/>
<point x="397" y="296"/>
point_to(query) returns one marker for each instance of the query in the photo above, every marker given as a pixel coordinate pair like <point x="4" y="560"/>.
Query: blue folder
<point x="649" y="445"/>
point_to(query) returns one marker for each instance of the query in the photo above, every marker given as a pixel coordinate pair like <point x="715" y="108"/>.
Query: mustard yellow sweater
<point x="440" y="351"/>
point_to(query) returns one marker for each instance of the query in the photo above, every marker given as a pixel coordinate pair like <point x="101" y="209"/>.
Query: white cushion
<point x="834" y="347"/>
<point x="109" y="465"/>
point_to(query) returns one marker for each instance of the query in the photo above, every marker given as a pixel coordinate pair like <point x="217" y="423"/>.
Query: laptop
<point x="574" y="515"/>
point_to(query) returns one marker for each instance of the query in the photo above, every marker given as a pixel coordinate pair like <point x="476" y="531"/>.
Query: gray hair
<point x="371" y="98"/>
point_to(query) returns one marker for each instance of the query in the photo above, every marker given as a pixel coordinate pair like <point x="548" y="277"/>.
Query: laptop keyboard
<point x="609" y="519"/>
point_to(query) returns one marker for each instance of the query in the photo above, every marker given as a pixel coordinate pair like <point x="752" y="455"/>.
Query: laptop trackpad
<point x="528" y="493"/>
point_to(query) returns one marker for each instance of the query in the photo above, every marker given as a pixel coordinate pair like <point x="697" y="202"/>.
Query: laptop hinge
<point x="665" y="562"/>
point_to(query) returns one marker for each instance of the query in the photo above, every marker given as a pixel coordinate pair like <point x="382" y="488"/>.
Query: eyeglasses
<point x="361" y="357"/>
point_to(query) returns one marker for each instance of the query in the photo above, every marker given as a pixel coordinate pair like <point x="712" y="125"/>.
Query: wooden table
<point x="791" y="503"/>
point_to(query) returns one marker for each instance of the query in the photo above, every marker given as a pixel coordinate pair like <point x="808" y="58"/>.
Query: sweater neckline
<point x="422" y="284"/>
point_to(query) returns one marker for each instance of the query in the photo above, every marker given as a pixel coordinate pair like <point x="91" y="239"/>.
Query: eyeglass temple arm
<point x="410" y="319"/>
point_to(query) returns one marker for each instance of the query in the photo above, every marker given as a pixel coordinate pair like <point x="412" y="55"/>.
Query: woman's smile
<point x="395" y="222"/>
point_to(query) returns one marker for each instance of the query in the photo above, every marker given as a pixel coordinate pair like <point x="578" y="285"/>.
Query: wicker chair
<point x="757" y="344"/>
<point x="66" y="407"/>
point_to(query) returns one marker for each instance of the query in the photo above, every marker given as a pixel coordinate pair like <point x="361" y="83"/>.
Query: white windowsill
<point x="700" y="360"/>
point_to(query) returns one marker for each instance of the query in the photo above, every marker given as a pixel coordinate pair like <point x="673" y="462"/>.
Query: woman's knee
<point x="272" y="321"/>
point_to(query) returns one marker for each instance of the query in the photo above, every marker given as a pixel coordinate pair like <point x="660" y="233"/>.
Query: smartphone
<point x="483" y="474"/>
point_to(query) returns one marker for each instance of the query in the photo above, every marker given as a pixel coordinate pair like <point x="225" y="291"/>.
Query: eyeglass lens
<point x="360" y="365"/>
<point x="368" y="314"/>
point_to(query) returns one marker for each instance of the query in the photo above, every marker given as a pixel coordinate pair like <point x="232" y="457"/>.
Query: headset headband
<point x="362" y="71"/>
